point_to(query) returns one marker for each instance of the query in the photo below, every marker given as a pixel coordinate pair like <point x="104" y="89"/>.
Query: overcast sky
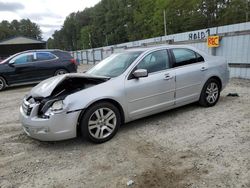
<point x="48" y="14"/>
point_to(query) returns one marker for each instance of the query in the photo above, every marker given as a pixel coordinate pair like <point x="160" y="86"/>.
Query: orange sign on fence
<point x="213" y="41"/>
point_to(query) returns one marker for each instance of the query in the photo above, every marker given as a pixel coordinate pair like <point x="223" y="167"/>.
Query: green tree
<point x="86" y="37"/>
<point x="234" y="11"/>
<point x="23" y="27"/>
<point x="116" y="21"/>
<point x="29" y="29"/>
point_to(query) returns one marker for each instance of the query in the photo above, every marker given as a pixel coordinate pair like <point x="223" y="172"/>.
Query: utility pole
<point x="90" y="43"/>
<point x="165" y="24"/>
<point x="107" y="43"/>
<point x="247" y="10"/>
<point x="106" y="38"/>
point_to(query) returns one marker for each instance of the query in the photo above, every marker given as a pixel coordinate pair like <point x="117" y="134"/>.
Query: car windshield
<point x="115" y="64"/>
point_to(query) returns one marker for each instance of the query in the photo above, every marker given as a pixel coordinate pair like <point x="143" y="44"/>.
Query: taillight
<point x="73" y="61"/>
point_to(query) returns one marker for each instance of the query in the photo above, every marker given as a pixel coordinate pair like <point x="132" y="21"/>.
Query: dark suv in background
<point x="35" y="65"/>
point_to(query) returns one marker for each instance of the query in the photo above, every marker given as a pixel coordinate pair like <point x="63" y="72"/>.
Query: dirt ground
<point x="190" y="146"/>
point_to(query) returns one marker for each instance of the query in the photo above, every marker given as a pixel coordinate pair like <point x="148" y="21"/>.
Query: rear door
<point x="190" y="70"/>
<point x="154" y="93"/>
<point x="45" y="63"/>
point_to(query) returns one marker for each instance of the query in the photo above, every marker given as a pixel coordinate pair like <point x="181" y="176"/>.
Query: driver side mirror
<point x="11" y="62"/>
<point x="140" y="73"/>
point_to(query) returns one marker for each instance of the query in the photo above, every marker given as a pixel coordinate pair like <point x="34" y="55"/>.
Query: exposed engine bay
<point x="66" y="86"/>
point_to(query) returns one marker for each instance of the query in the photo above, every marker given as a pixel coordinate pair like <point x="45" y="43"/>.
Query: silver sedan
<point x="121" y="88"/>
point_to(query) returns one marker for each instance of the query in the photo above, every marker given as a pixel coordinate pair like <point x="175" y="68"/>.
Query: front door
<point x="23" y="68"/>
<point x="155" y="92"/>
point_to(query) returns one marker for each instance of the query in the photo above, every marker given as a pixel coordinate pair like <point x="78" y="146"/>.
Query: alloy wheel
<point x="60" y="72"/>
<point x="1" y="84"/>
<point x="102" y="123"/>
<point x="212" y="92"/>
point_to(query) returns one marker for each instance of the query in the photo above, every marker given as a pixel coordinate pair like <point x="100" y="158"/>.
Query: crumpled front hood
<point x="46" y="87"/>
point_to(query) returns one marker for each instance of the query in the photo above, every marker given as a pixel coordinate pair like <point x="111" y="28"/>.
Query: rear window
<point x="63" y="54"/>
<point x="41" y="56"/>
<point x="185" y="57"/>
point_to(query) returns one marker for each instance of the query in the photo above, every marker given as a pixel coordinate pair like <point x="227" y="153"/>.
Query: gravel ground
<point x="190" y="146"/>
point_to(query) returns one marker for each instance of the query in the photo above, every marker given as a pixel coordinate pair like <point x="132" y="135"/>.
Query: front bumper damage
<point x="56" y="126"/>
<point x="37" y="118"/>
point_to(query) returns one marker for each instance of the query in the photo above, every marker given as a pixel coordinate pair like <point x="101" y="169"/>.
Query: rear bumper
<point x="72" y="68"/>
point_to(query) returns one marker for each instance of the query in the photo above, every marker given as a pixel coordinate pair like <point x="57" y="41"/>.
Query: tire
<point x="97" y="128"/>
<point x="2" y="83"/>
<point x="60" y="72"/>
<point x="210" y="93"/>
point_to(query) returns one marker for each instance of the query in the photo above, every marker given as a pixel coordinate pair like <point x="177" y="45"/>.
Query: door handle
<point x="168" y="77"/>
<point x="203" y="68"/>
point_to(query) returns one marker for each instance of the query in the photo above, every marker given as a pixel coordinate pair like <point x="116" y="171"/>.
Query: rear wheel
<point x="100" y="122"/>
<point x="2" y="83"/>
<point x="210" y="93"/>
<point x="60" y="72"/>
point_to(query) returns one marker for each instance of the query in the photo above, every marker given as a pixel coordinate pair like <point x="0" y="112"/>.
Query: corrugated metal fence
<point x="234" y="46"/>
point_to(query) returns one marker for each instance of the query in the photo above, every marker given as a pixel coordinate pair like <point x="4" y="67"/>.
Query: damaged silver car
<point x="123" y="87"/>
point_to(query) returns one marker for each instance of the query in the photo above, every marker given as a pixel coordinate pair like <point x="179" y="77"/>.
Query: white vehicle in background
<point x="123" y="87"/>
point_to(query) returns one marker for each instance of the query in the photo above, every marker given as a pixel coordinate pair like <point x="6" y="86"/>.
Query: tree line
<point x="116" y="21"/>
<point x="23" y="27"/>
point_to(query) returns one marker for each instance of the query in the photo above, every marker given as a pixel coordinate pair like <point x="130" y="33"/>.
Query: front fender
<point x="112" y="90"/>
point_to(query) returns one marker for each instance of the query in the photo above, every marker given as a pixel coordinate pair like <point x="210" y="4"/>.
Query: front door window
<point x="23" y="58"/>
<point x="154" y="62"/>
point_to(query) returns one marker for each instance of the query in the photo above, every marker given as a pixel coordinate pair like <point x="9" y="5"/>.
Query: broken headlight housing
<point x="57" y="106"/>
<point x="51" y="107"/>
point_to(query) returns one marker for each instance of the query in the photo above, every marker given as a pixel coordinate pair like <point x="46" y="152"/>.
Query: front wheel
<point x="210" y="93"/>
<point x="100" y="122"/>
<point x="2" y="83"/>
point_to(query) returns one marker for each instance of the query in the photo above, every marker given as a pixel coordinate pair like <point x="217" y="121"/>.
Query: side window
<point x="24" y="58"/>
<point x="199" y="58"/>
<point x="41" y="56"/>
<point x="156" y="61"/>
<point x="185" y="57"/>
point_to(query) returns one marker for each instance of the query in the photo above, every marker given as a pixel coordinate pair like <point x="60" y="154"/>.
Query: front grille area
<point x="26" y="107"/>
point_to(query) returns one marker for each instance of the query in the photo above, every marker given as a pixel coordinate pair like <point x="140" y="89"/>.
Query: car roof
<point x="39" y="50"/>
<point x="170" y="46"/>
<point x="42" y="50"/>
<point x="164" y="46"/>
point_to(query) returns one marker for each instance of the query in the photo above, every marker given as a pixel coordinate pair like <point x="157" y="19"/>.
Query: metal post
<point x="93" y="56"/>
<point x="247" y="9"/>
<point x="90" y="43"/>
<point x="101" y="54"/>
<point x="87" y="57"/>
<point x="81" y="56"/>
<point x="165" y="24"/>
<point x="213" y="51"/>
<point x="107" y="43"/>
